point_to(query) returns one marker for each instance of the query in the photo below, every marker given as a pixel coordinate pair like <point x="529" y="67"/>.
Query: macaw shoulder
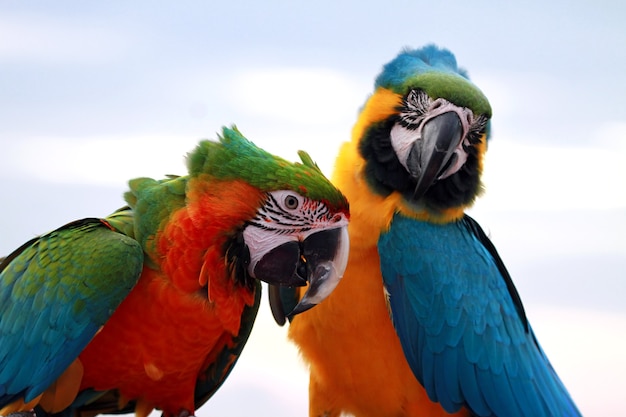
<point x="436" y="243"/>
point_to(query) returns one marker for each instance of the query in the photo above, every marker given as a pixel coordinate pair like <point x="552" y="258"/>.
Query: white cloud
<point x="39" y="39"/>
<point x="509" y="92"/>
<point x="307" y="96"/>
<point x="96" y="160"/>
<point x="530" y="176"/>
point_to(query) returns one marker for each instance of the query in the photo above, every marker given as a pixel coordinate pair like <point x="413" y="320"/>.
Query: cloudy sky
<point x="95" y="93"/>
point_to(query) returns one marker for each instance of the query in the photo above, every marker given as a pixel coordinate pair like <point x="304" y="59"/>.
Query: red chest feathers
<point x="175" y="321"/>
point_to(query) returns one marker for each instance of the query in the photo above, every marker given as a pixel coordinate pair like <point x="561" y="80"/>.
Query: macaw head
<point x="297" y="234"/>
<point x="423" y="133"/>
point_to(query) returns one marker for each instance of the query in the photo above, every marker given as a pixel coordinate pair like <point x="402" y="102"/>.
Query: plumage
<point x="426" y="320"/>
<point x="451" y="256"/>
<point x="151" y="306"/>
<point x="55" y="288"/>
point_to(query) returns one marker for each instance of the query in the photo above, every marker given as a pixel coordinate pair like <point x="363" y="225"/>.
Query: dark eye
<point x="291" y="202"/>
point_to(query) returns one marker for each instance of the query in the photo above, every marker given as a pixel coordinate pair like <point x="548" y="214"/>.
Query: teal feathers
<point x="461" y="325"/>
<point x="57" y="292"/>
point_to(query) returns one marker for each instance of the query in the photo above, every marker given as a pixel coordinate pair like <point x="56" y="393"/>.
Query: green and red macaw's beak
<point x="316" y="256"/>
<point x="318" y="260"/>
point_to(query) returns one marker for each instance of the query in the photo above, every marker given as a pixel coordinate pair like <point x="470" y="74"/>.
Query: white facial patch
<point x="285" y="217"/>
<point x="260" y="241"/>
<point x="404" y="135"/>
<point x="402" y="140"/>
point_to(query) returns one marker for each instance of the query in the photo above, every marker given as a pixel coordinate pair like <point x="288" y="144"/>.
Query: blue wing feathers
<point x="449" y="359"/>
<point x="409" y="326"/>
<point x="456" y="330"/>
<point x="505" y="401"/>
<point x="41" y="329"/>
<point x="498" y="393"/>
<point x="428" y="373"/>
<point x="529" y="398"/>
<point x="439" y="384"/>
<point x="435" y="324"/>
<point x="461" y="322"/>
<point x="472" y="345"/>
<point x="470" y="388"/>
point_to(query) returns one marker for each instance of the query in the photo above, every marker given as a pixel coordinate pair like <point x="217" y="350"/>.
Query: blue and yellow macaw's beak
<point x="434" y="145"/>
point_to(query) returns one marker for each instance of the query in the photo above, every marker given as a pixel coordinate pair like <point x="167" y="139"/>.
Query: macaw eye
<point x="291" y="202"/>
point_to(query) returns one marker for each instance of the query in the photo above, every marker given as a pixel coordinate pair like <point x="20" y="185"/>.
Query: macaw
<point x="150" y="307"/>
<point x="426" y="320"/>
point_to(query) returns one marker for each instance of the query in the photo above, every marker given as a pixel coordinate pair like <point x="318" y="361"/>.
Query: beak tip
<point x="324" y="269"/>
<point x="300" y="308"/>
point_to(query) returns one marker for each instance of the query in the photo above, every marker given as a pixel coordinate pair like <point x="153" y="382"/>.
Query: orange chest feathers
<point x="178" y="318"/>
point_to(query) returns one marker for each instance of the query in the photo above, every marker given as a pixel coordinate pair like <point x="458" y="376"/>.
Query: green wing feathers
<point x="56" y="291"/>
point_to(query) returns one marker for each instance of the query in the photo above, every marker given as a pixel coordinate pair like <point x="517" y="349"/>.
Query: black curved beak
<point x="319" y="261"/>
<point x="431" y="156"/>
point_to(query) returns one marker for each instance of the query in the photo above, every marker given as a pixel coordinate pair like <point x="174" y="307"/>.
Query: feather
<point x="493" y="336"/>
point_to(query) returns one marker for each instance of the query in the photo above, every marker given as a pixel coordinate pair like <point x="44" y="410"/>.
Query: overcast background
<point x="95" y="93"/>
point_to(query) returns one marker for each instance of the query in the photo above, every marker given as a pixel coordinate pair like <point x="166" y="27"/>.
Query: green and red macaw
<point x="426" y="320"/>
<point x="151" y="306"/>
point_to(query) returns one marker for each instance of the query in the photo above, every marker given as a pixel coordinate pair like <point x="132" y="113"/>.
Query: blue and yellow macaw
<point x="426" y="320"/>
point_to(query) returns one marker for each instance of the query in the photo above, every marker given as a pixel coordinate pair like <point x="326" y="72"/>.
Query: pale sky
<point x="95" y="93"/>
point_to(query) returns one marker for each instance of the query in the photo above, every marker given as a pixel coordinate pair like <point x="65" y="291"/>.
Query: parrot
<point x="426" y="320"/>
<point x="150" y="307"/>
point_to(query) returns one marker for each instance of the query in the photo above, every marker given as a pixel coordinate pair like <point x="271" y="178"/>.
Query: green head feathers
<point x="235" y="157"/>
